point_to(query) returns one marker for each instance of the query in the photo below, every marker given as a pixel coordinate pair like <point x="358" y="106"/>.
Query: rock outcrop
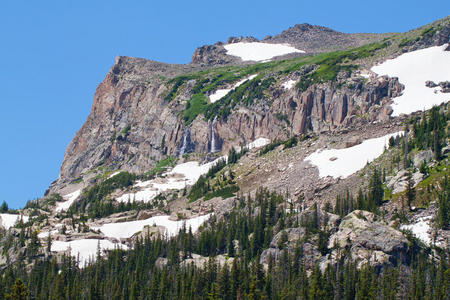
<point x="368" y="240"/>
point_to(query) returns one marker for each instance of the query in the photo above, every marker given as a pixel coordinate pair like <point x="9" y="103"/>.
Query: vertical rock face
<point x="128" y="121"/>
<point x="131" y="126"/>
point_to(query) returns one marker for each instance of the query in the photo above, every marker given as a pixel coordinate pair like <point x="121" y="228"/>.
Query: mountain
<point x="309" y="164"/>
<point x="311" y="39"/>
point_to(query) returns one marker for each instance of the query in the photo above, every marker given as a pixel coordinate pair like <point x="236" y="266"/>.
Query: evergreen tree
<point x="376" y="191"/>
<point x="410" y="189"/>
<point x="316" y="285"/>
<point x="4" y="207"/>
<point x="232" y="156"/>
<point x="444" y="205"/>
<point x="19" y="291"/>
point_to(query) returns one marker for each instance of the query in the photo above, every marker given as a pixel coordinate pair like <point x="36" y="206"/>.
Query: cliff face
<point x="132" y="125"/>
<point x="127" y="122"/>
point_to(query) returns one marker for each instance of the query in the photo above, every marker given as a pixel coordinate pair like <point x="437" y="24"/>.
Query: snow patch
<point x="413" y="69"/>
<point x="179" y="177"/>
<point x="289" y="84"/>
<point x="365" y="74"/>
<point x="9" y="220"/>
<point x="45" y="234"/>
<point x="420" y="229"/>
<point x="257" y="51"/>
<point x="70" y="198"/>
<point x="114" y="174"/>
<point x="344" y="162"/>
<point x="128" y="229"/>
<point x="85" y="249"/>
<point x="259" y="142"/>
<point x="219" y="94"/>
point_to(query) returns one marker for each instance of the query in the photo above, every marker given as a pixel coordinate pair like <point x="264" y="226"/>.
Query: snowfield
<point x="420" y="229"/>
<point x="70" y="198"/>
<point x="257" y="51"/>
<point x="128" y="229"/>
<point x="219" y="94"/>
<point x="344" y="162"/>
<point x="289" y="84"/>
<point x="9" y="220"/>
<point x="85" y="249"/>
<point x="413" y="69"/>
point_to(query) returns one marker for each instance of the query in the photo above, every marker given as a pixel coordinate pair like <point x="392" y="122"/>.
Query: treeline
<point x="154" y="269"/>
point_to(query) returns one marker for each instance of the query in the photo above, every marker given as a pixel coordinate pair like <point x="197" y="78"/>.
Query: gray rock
<point x="399" y="183"/>
<point x="368" y="240"/>
<point x="161" y="262"/>
<point x="422" y="156"/>
<point x="430" y="84"/>
<point x="294" y="234"/>
<point x="446" y="150"/>
<point x="201" y="261"/>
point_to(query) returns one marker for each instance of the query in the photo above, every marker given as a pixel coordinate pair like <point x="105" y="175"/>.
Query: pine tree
<point x="4" y="207"/>
<point x="19" y="291"/>
<point x="316" y="287"/>
<point x="376" y="191"/>
<point x="444" y="205"/>
<point x="223" y="283"/>
<point x="410" y="190"/>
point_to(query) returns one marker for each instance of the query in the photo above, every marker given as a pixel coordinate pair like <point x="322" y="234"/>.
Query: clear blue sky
<point x="53" y="54"/>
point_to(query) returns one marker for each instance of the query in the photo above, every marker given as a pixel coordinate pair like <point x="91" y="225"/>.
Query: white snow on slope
<point x="178" y="178"/>
<point x="420" y="229"/>
<point x="219" y="94"/>
<point x="86" y="249"/>
<point x="9" y="220"/>
<point x="365" y="74"/>
<point x="413" y="69"/>
<point x="344" y="162"/>
<point x="114" y="174"/>
<point x="70" y="198"/>
<point x="289" y="84"/>
<point x="128" y="229"/>
<point x="257" y="51"/>
<point x="259" y="142"/>
<point x="44" y="234"/>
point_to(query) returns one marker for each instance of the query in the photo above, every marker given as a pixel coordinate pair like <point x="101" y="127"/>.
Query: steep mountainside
<point x="137" y="115"/>
<point x="314" y="170"/>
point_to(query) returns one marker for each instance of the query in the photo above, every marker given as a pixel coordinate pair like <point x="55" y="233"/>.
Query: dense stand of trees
<point x="241" y="235"/>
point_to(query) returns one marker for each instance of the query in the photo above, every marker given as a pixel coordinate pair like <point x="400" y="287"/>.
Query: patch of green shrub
<point x="196" y="106"/>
